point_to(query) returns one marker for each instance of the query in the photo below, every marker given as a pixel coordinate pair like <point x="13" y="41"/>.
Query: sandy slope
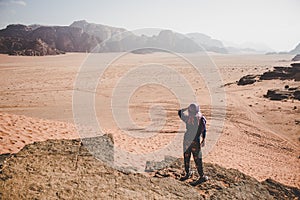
<point x="17" y="130"/>
<point x="249" y="144"/>
<point x="260" y="137"/>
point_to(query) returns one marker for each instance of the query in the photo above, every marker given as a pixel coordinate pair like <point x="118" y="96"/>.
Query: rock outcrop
<point x="16" y="31"/>
<point x="44" y="40"/>
<point x="283" y="73"/>
<point x="277" y="94"/>
<point x="65" y="38"/>
<point x="248" y="79"/>
<point x="29" y="48"/>
<point x="290" y="93"/>
<point x="65" y="169"/>
<point x="231" y="184"/>
<point x="296" y="58"/>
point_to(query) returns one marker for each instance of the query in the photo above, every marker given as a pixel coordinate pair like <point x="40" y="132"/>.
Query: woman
<point x="195" y="128"/>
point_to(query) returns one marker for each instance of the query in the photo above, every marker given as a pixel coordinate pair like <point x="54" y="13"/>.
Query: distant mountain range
<point x="82" y="36"/>
<point x="118" y="39"/>
<point x="296" y="51"/>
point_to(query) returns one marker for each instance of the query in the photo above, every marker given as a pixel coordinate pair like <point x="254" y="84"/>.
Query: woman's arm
<point x="181" y="114"/>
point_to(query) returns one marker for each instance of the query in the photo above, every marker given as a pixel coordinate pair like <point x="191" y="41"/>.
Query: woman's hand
<point x="184" y="109"/>
<point x="202" y="144"/>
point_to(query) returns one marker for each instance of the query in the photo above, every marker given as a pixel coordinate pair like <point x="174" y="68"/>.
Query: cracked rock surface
<point x="64" y="169"/>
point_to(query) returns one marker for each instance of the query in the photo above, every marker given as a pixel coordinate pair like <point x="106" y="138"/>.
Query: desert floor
<point x="259" y="137"/>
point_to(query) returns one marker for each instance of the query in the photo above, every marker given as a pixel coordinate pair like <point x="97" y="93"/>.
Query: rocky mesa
<point x="44" y="40"/>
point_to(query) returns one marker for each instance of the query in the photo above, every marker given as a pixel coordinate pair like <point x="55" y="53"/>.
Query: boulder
<point x="283" y="73"/>
<point x="296" y="94"/>
<point x="296" y="68"/>
<point x="157" y="165"/>
<point x="286" y="93"/>
<point x="248" y="79"/>
<point x="278" y="94"/>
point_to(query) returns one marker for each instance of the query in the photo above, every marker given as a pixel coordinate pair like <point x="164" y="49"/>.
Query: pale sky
<point x="274" y="23"/>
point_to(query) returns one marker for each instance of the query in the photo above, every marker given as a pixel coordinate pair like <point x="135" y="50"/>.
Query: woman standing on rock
<point x="195" y="128"/>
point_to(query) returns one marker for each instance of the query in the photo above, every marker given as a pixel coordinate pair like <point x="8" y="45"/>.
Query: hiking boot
<point x="187" y="176"/>
<point x="199" y="181"/>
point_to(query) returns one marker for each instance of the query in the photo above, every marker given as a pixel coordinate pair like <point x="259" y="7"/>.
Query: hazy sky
<point x="274" y="23"/>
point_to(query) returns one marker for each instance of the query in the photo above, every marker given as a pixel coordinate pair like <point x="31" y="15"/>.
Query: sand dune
<point x="17" y="130"/>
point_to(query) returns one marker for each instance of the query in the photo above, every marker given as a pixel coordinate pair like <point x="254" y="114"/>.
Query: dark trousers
<point x="193" y="148"/>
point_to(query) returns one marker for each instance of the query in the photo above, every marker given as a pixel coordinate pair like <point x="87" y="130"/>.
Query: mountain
<point x="24" y="47"/>
<point x="34" y="26"/>
<point x="66" y="169"/>
<point x="82" y="36"/>
<point x="174" y="41"/>
<point x="65" y="38"/>
<point x="57" y="39"/>
<point x="207" y="42"/>
<point x="16" y="40"/>
<point x="236" y="50"/>
<point x="259" y="47"/>
<point x="247" y="48"/>
<point x="119" y="39"/>
<point x="98" y="30"/>
<point x="296" y="50"/>
<point x="166" y="40"/>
